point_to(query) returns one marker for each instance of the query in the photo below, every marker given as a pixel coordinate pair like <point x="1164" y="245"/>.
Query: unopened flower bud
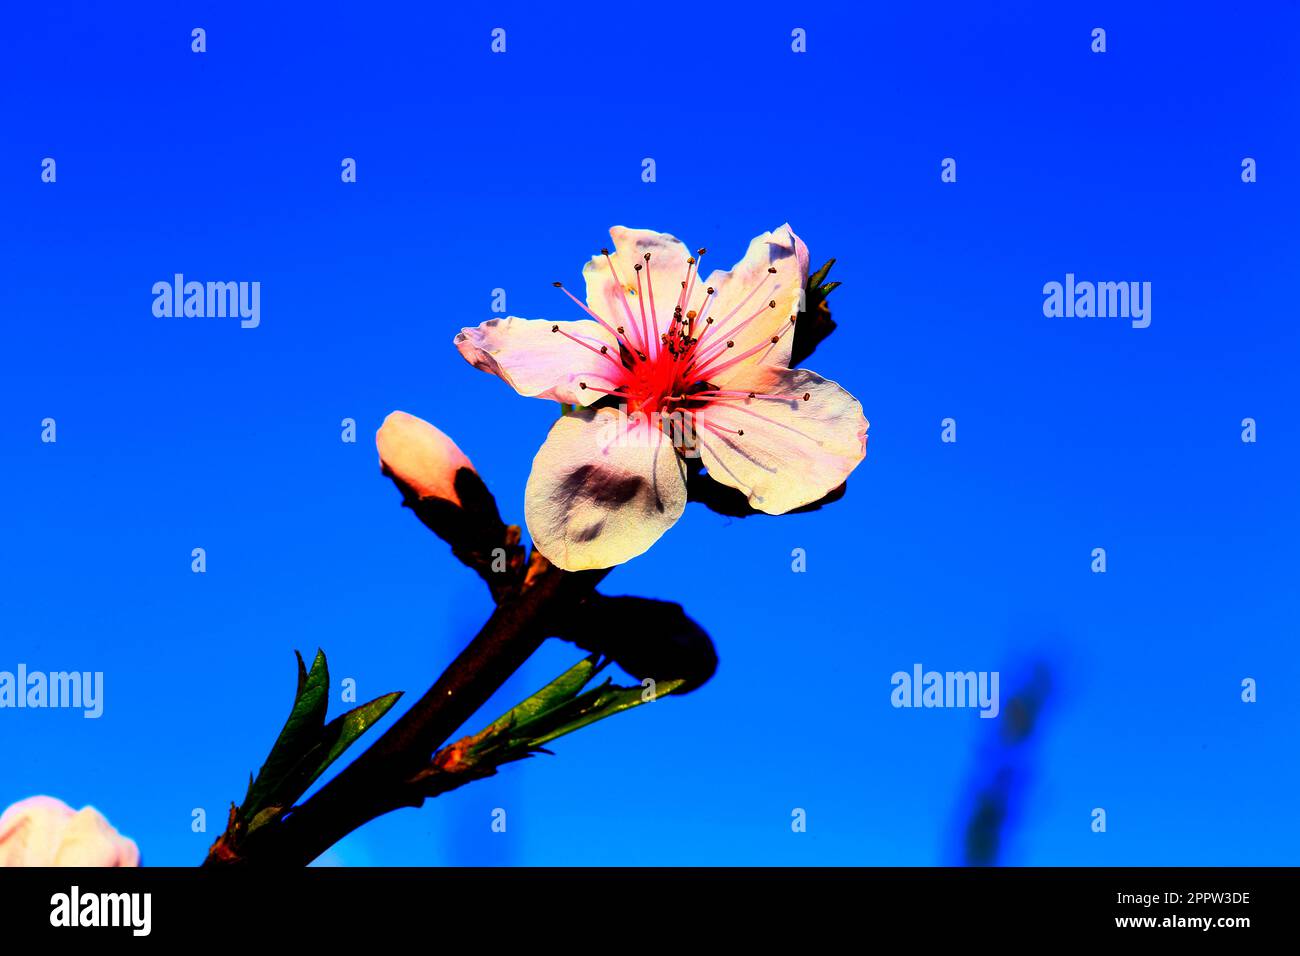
<point x="43" y="831"/>
<point x="420" y="457"/>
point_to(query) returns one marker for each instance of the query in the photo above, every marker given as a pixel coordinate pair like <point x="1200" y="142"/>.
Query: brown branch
<point x="379" y="780"/>
<point x="533" y="600"/>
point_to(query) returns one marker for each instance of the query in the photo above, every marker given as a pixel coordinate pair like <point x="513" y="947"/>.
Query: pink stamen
<point x="622" y="290"/>
<point x="645" y="329"/>
<point x="772" y="421"/>
<point x="618" y="390"/>
<point x="729" y="431"/>
<point x="691" y="276"/>
<point x="727" y="395"/>
<point x="603" y="351"/>
<point x="741" y="304"/>
<point x="732" y="333"/>
<point x="660" y="362"/>
<point x="730" y="363"/>
<point x="681" y="296"/>
<point x="722" y="323"/>
<point x="582" y="305"/>
<point x="710" y="296"/>
<point x="654" y="316"/>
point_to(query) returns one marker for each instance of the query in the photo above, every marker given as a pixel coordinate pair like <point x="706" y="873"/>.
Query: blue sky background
<point x="479" y="171"/>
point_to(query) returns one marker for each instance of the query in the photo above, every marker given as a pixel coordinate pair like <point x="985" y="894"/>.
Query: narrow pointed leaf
<point x="554" y="711"/>
<point x="264" y="817"/>
<point x="302" y="676"/>
<point x="300" y="734"/>
<point x="339" y="734"/>
<point x="607" y="701"/>
<point x="818" y="277"/>
<point x="558" y="692"/>
<point x="815" y="322"/>
<point x="343" y="731"/>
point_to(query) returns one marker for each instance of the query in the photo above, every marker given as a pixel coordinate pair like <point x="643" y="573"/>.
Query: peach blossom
<point x="669" y="366"/>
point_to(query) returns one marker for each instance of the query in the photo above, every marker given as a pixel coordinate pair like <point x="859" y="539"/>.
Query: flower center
<point x="664" y="368"/>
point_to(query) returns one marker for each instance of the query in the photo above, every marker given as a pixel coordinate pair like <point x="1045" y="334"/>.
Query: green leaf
<point x="301" y="733"/>
<point x="603" y="702"/>
<point x="269" y="815"/>
<point x="558" y="692"/>
<point x="341" y="733"/>
<point x="556" y="710"/>
<point x="818" y="277"/>
<point x="815" y="322"/>
<point x="302" y="675"/>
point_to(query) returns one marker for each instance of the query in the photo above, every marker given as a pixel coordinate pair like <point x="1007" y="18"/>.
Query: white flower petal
<point x="603" y="488"/>
<point x="742" y="308"/>
<point x="43" y="831"/>
<point x="539" y="362"/>
<point x="30" y="831"/>
<point x="90" y="840"/>
<point x="793" y="452"/>
<point x="615" y="301"/>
